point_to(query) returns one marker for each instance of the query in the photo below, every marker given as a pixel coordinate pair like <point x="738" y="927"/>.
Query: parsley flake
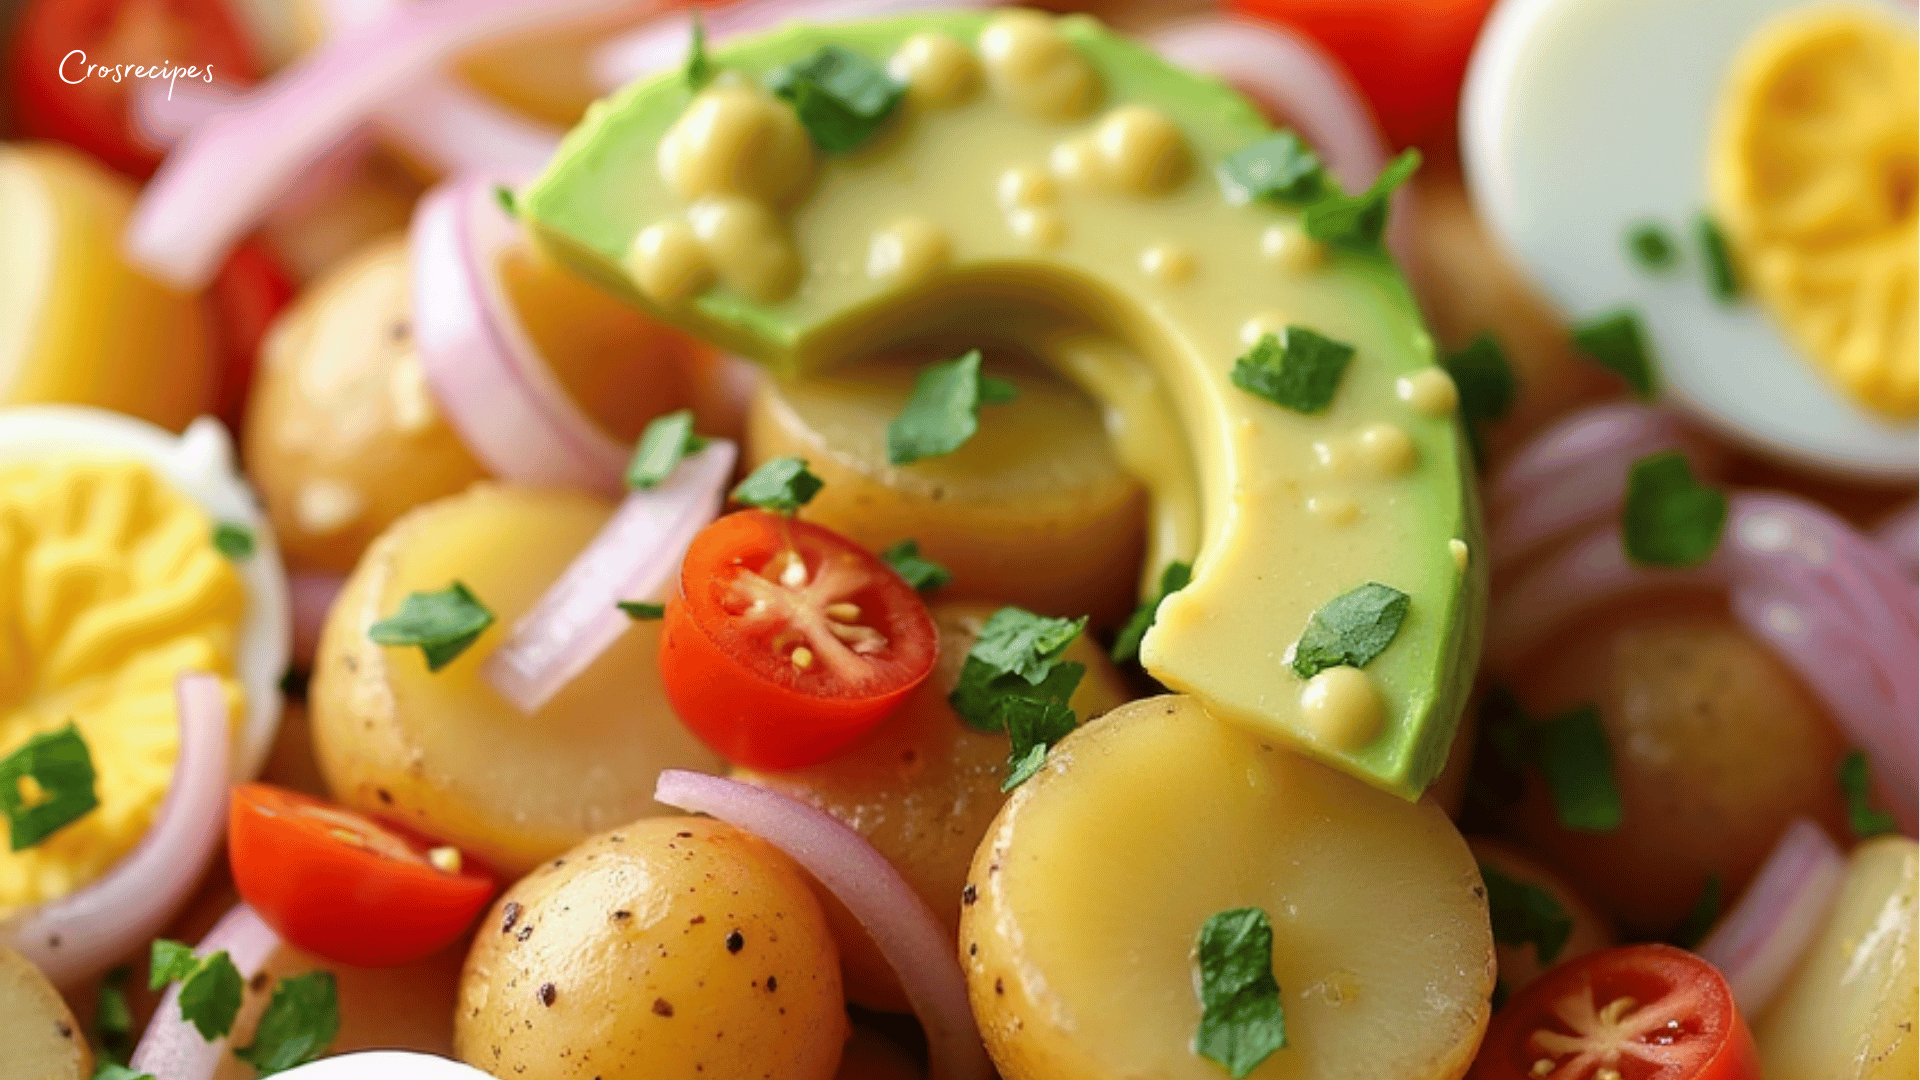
<point x="1574" y="756"/>
<point x="299" y="1024"/>
<point x="1614" y="340"/>
<point x="1651" y="246"/>
<point x="1017" y="655"/>
<point x="108" y="1069"/>
<point x="1033" y="725"/>
<point x="923" y="574"/>
<point x="1700" y="917"/>
<point x="640" y="611"/>
<point x="1484" y="379"/>
<point x="210" y="986"/>
<point x="1280" y="166"/>
<point x="233" y="540"/>
<point x="840" y="96"/>
<point x="1856" y="785"/>
<point x="666" y="442"/>
<point x="1356" y="221"/>
<point x="443" y="624"/>
<point x="1722" y="280"/>
<point x="1350" y="629"/>
<point x="60" y="768"/>
<point x="503" y="195"/>
<point x="1301" y="374"/>
<point x="1670" y="519"/>
<point x="1241" y="1018"/>
<point x="1526" y="914"/>
<point x="113" y="1017"/>
<point x="780" y="486"/>
<point x="943" y="411"/>
<point x="699" y="68"/>
<point x="1126" y="646"/>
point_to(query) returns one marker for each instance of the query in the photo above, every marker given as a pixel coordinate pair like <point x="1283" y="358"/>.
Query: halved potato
<point x="1099" y="873"/>
<point x="38" y="1033"/>
<point x="1521" y="964"/>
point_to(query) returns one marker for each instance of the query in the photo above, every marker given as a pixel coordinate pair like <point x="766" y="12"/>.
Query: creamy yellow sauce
<point x="110" y="587"/>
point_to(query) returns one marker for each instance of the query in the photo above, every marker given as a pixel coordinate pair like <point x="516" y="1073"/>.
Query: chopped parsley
<point x="666" y="442"/>
<point x="1614" y="340"/>
<point x="1484" y="380"/>
<point x="1241" y="1018"/>
<point x="1526" y="914"/>
<point x="1017" y="655"/>
<point x="840" y="96"/>
<point x="109" y="1069"/>
<point x="1722" y="280"/>
<point x="210" y="986"/>
<point x="1350" y="629"/>
<point x="1573" y="754"/>
<point x="299" y="1024"/>
<point x="1301" y="374"/>
<point x="922" y="573"/>
<point x="1280" y="166"/>
<point x="1033" y="725"/>
<point x="1651" y="246"/>
<point x="943" y="411"/>
<point x="699" y="68"/>
<point x="1856" y="785"/>
<point x="46" y="785"/>
<point x="1700" y="917"/>
<point x="443" y="624"/>
<point x="503" y="195"/>
<point x="1126" y="646"/>
<point x="781" y="486"/>
<point x="112" y="1017"/>
<point x="640" y="611"/>
<point x="1357" y="221"/>
<point x="1670" y="519"/>
<point x="233" y="540"/>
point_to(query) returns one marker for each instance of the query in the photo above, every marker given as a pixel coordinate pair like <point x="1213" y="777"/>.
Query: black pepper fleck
<point x="386" y="796"/>
<point x="772" y="984"/>
<point x="684" y="835"/>
<point x="969" y="894"/>
<point x="973" y="948"/>
<point x="1479" y="892"/>
<point x="547" y="994"/>
<point x="509" y="915"/>
<point x="65" y="1029"/>
<point x="696" y="920"/>
<point x="662" y="1007"/>
<point x="735" y="942"/>
<point x="525" y="933"/>
<point x="999" y="986"/>
<point x="622" y="915"/>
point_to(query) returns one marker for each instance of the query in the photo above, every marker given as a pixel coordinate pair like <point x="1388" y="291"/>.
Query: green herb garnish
<point x="1033" y="725"/>
<point x="1856" y="785"/>
<point x="443" y="624"/>
<point x="1700" y="917"/>
<point x="1241" y="1018"/>
<point x="666" y="442"/>
<point x="1670" y="519"/>
<point x="1722" y="279"/>
<point x="943" y="411"/>
<point x="232" y="540"/>
<point x="699" y="68"/>
<point x="299" y="1024"/>
<point x="640" y="611"/>
<point x="1350" y="629"/>
<point x="1526" y="914"/>
<point x="503" y="195"/>
<point x="1017" y="655"/>
<point x="1357" y="221"/>
<point x="112" y="1017"/>
<point x="1484" y="379"/>
<point x="1280" y="166"/>
<point x="780" y="486"/>
<point x="1614" y="340"/>
<point x="1126" y="646"/>
<point x="210" y="986"/>
<point x="109" y="1069"/>
<point x="1302" y="374"/>
<point x="840" y="96"/>
<point x="1573" y="754"/>
<point x="1651" y="246"/>
<point x="923" y="574"/>
<point x="60" y="768"/>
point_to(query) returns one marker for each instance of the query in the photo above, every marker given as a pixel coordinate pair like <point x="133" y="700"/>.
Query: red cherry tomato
<point x="344" y="887"/>
<point x="249" y="293"/>
<point x="56" y="40"/>
<point x="1408" y="56"/>
<point x="786" y="641"/>
<point x="1644" y="1012"/>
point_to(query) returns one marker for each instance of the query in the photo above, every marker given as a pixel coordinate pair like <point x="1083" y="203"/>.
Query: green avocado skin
<point x="603" y="187"/>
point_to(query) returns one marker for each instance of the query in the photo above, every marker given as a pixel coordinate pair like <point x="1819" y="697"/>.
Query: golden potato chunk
<point x="37" y="1030"/>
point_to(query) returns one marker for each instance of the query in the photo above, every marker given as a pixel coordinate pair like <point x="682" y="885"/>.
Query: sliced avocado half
<point x="1094" y="276"/>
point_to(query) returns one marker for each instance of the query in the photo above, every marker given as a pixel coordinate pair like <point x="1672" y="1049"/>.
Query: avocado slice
<point x="1092" y="274"/>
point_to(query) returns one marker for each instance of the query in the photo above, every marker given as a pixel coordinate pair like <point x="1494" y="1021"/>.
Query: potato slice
<point x="1091" y="889"/>
<point x="38" y="1033"/>
<point x="1521" y="964"/>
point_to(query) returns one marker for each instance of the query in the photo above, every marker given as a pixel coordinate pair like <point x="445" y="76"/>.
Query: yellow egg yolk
<point x="1812" y="172"/>
<point x="110" y="587"/>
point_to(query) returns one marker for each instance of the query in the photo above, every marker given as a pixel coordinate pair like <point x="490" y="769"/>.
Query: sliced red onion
<point x="311" y="594"/>
<point x="81" y="935"/>
<point x="172" y="1048"/>
<point x="635" y="557"/>
<point x="1759" y="941"/>
<point x="485" y="371"/>
<point x="1899" y="536"/>
<point x="908" y="933"/>
<point x="229" y="170"/>
<point x="161" y="113"/>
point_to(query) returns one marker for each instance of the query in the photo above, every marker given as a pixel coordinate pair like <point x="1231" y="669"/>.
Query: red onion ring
<point x="1899" y="536"/>
<point x="485" y="372"/>
<point x="311" y="595"/>
<point x="81" y="935"/>
<point x="1759" y="941"/>
<point x="172" y="1048"/>
<point x="635" y="557"/>
<point x="908" y="933"/>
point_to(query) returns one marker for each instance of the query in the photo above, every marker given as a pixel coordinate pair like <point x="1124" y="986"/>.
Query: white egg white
<point x="385" y="1065"/>
<point x="1582" y="118"/>
<point x="200" y="465"/>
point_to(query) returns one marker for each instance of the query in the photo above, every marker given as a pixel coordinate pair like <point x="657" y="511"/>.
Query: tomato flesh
<point x="345" y="887"/>
<point x="786" y="641"/>
<point x="1644" y="1012"/>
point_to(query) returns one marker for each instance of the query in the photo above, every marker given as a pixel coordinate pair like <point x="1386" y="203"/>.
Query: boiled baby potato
<point x="922" y="788"/>
<point x="1039" y="479"/>
<point x="441" y="751"/>
<point x="1522" y="963"/>
<point x="40" y="1037"/>
<point x="678" y="947"/>
<point x="1849" y="1011"/>
<point x="1716" y="747"/>
<point x="1090" y="890"/>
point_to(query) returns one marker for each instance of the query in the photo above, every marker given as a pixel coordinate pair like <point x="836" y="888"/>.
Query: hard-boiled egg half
<point x="1591" y="128"/>
<point x="384" y="1065"/>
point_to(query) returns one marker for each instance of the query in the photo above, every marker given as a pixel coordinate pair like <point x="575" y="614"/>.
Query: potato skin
<point x="922" y="788"/>
<point x="1520" y="964"/>
<point x="42" y="1039"/>
<point x="671" y="947"/>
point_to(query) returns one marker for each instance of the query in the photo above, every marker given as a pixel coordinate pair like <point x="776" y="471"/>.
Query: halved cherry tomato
<point x="342" y="886"/>
<point x="786" y="641"/>
<point x="56" y="40"/>
<point x="243" y="300"/>
<point x="1644" y="1012"/>
<point x="1408" y="56"/>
